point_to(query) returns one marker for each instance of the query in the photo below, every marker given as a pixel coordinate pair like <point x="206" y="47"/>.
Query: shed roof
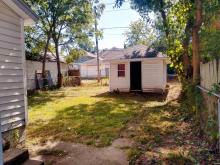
<point x="138" y="51"/>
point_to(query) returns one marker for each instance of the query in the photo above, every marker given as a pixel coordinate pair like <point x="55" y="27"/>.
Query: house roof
<point x="93" y="61"/>
<point x="88" y="56"/>
<point x="83" y="59"/>
<point x="23" y="10"/>
<point x="52" y="58"/>
<point x="138" y="51"/>
<point x="49" y="58"/>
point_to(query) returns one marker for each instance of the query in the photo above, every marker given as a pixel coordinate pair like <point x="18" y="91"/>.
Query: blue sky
<point x="114" y="18"/>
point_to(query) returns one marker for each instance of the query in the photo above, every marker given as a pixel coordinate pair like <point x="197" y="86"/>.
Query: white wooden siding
<point x="33" y="66"/>
<point x="153" y="75"/>
<point x="12" y="106"/>
<point x="119" y="83"/>
<point x="90" y="71"/>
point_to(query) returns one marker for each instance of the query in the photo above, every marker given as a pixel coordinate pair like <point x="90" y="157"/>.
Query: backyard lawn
<point x="90" y="115"/>
<point x="87" y="114"/>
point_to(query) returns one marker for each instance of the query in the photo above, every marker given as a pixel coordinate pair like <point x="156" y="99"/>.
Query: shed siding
<point x="119" y="83"/>
<point x="153" y="75"/>
<point x="12" y="106"/>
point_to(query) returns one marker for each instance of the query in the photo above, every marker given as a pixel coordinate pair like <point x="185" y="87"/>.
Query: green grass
<point x="87" y="114"/>
<point x="161" y="128"/>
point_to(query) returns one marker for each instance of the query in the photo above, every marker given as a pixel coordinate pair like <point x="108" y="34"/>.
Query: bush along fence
<point x="210" y="90"/>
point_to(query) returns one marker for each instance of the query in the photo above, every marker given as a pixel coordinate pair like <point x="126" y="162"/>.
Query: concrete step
<point x="33" y="162"/>
<point x="15" y="156"/>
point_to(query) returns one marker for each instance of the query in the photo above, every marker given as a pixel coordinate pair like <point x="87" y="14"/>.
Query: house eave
<point x="23" y="10"/>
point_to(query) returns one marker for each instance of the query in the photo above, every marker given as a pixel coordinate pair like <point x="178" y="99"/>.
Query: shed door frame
<point x="136" y="76"/>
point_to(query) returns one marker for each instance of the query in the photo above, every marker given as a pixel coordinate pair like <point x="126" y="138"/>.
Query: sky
<point x="115" y="17"/>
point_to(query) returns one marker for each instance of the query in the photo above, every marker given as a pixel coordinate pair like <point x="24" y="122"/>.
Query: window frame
<point x="121" y="70"/>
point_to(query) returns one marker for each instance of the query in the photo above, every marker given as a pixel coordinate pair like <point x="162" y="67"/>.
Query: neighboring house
<point x="89" y="69"/>
<point x="76" y="64"/>
<point x="86" y="57"/>
<point x="35" y="66"/>
<point x="88" y="64"/>
<point x="14" y="14"/>
<point x="138" y="68"/>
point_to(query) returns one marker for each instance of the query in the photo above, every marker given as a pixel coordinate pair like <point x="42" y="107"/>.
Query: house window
<point x="121" y="70"/>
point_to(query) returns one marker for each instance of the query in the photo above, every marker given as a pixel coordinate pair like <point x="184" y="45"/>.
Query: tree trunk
<point x="164" y="18"/>
<point x="59" y="74"/>
<point x="186" y="59"/>
<point x="195" y="41"/>
<point x="44" y="61"/>
<point x="97" y="46"/>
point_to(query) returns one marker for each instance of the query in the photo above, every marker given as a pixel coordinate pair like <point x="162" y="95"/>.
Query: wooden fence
<point x="210" y="74"/>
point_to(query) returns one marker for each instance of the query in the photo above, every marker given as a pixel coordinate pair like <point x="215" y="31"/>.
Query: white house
<point x="138" y="68"/>
<point x="87" y="64"/>
<point x="89" y="69"/>
<point x="14" y="15"/>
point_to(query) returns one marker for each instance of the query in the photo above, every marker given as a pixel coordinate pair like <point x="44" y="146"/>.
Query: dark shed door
<point x="135" y="76"/>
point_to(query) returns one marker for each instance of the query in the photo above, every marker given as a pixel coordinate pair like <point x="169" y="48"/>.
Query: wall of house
<point x="33" y="66"/>
<point x="153" y="75"/>
<point x="119" y="83"/>
<point x="90" y="71"/>
<point x="12" y="92"/>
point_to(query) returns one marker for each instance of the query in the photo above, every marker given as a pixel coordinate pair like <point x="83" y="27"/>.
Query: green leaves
<point x="140" y="33"/>
<point x="74" y="54"/>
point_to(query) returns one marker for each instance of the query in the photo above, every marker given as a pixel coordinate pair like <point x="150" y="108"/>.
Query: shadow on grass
<point x="96" y="124"/>
<point x="39" y="99"/>
<point x="135" y="96"/>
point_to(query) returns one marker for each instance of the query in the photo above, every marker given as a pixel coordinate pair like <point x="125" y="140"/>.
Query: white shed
<point x="138" y="68"/>
<point x="14" y="14"/>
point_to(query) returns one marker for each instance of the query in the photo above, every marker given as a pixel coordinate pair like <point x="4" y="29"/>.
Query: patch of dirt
<point x="80" y="154"/>
<point x="174" y="90"/>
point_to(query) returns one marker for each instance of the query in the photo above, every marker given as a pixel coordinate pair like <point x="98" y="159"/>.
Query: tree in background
<point x="64" y="21"/>
<point x="74" y="54"/>
<point x="170" y="24"/>
<point x="67" y="16"/>
<point x="181" y="22"/>
<point x="139" y="33"/>
<point x="34" y="44"/>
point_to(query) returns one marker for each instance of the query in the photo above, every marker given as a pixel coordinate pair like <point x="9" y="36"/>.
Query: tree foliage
<point x="185" y="24"/>
<point x="139" y="33"/>
<point x="67" y="22"/>
<point x="74" y="55"/>
<point x="210" y="32"/>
